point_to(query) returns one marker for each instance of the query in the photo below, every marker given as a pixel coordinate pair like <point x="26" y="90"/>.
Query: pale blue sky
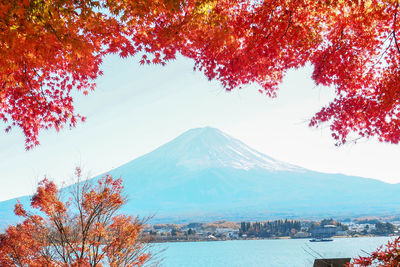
<point x="136" y="108"/>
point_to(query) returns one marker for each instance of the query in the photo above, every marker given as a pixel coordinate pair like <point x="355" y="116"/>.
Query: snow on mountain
<point x="204" y="174"/>
<point x="210" y="148"/>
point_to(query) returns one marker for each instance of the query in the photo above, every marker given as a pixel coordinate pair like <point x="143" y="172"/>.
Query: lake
<point x="274" y="253"/>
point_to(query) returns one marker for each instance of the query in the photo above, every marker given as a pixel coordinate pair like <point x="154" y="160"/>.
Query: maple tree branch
<point x="289" y="24"/>
<point x="40" y="83"/>
<point x="61" y="253"/>
<point x="47" y="255"/>
<point x="17" y="255"/>
<point x="383" y="53"/>
<point x="40" y="103"/>
<point x="394" y="27"/>
<point x="54" y="31"/>
<point x="4" y="83"/>
<point x="338" y="47"/>
<point x="63" y="235"/>
<point x="395" y="41"/>
<point x="3" y="86"/>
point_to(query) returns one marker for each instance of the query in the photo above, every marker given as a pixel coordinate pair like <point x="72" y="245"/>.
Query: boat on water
<point x="321" y="239"/>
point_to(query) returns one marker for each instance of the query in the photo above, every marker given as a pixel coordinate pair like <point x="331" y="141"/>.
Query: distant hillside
<point x="204" y="174"/>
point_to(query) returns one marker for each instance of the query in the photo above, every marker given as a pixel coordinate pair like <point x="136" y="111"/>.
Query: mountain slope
<point x="204" y="174"/>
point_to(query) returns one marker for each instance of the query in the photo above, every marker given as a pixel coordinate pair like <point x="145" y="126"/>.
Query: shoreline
<point x="267" y="238"/>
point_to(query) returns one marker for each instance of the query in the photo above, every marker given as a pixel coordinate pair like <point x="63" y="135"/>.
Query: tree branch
<point x="289" y="24"/>
<point x="394" y="28"/>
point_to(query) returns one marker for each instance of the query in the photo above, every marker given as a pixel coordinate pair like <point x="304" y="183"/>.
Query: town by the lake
<point x="323" y="230"/>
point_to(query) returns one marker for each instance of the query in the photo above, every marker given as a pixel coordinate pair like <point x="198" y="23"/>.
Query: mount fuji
<point x="204" y="174"/>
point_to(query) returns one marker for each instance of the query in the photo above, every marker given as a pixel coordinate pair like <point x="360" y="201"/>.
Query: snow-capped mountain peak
<point x="209" y="147"/>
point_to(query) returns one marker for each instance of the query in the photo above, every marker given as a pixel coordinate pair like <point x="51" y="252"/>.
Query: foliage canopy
<point x="49" y="48"/>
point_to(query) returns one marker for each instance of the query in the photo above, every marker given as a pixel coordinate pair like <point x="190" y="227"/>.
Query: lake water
<point x="274" y="253"/>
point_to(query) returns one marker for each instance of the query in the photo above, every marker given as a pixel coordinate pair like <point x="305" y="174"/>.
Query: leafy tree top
<point x="49" y="48"/>
<point x="85" y="230"/>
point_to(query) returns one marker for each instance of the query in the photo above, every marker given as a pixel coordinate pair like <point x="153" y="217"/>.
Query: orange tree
<point x="48" y="48"/>
<point x="83" y="231"/>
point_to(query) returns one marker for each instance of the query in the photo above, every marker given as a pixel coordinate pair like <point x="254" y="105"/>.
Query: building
<point x="325" y="231"/>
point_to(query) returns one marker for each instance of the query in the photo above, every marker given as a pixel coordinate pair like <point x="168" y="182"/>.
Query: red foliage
<point x="83" y="232"/>
<point x="48" y="48"/>
<point x="388" y="256"/>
